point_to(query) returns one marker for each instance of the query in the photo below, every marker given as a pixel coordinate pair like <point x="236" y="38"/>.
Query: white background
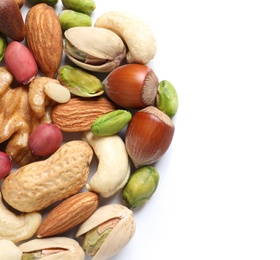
<point x="218" y="196"/>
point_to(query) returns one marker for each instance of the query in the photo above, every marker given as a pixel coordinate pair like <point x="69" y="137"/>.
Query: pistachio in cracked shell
<point x="79" y="82"/>
<point x="52" y="248"/>
<point x="107" y="231"/>
<point x="94" y="49"/>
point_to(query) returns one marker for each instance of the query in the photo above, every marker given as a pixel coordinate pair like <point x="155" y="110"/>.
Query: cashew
<point x="8" y="250"/>
<point x="17" y="227"/>
<point x="135" y="32"/>
<point x="113" y="167"/>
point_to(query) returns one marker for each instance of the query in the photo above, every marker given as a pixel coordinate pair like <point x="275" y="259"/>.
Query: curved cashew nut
<point x="17" y="227"/>
<point x="113" y="164"/>
<point x="135" y="32"/>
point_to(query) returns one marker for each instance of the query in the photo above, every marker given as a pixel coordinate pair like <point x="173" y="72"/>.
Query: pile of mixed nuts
<point x="61" y="73"/>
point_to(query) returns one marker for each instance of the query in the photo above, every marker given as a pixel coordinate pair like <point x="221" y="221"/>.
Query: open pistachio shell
<point x="118" y="237"/>
<point x="94" y="49"/>
<point x="52" y="248"/>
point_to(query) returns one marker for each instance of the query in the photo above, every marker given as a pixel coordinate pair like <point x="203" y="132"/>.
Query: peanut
<point x="37" y="185"/>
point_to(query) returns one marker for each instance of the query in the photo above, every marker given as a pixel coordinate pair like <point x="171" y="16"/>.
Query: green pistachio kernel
<point x="111" y="123"/>
<point x="48" y="2"/>
<point x="3" y="45"/>
<point x="94" y="238"/>
<point x="70" y="18"/>
<point x="83" y="6"/>
<point x="79" y="82"/>
<point x="140" y="187"/>
<point x="167" y="98"/>
<point x="32" y="255"/>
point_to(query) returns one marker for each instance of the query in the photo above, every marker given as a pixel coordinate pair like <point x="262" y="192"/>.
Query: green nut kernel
<point x="48" y="2"/>
<point x="79" y="82"/>
<point x="110" y="123"/>
<point x="83" y="6"/>
<point x="3" y="45"/>
<point x="140" y="187"/>
<point x="70" y="18"/>
<point x="167" y="98"/>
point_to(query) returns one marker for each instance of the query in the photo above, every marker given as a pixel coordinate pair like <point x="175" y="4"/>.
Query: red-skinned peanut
<point x="5" y="165"/>
<point x="20" y="62"/>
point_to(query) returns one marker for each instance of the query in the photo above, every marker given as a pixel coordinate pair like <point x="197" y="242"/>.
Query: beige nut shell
<point x="37" y="185"/>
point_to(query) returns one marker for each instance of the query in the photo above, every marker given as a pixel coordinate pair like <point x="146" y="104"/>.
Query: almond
<point x="78" y="114"/>
<point x="44" y="38"/>
<point x="11" y="20"/>
<point x="69" y="213"/>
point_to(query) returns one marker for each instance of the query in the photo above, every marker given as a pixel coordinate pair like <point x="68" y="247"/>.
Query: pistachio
<point x="3" y="45"/>
<point x="167" y="98"/>
<point x="71" y="18"/>
<point x="111" y="123"/>
<point x="107" y="231"/>
<point x="48" y="2"/>
<point x="140" y="187"/>
<point x="79" y="82"/>
<point x="52" y="248"/>
<point x="94" y="49"/>
<point x="84" y="6"/>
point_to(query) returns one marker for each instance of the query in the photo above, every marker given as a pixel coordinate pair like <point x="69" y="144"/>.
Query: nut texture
<point x="37" y="185"/>
<point x="44" y="38"/>
<point x="68" y="214"/>
<point x="78" y="113"/>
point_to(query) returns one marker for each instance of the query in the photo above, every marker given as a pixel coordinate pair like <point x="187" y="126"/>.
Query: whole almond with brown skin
<point x="78" y="113"/>
<point x="11" y="20"/>
<point x="69" y="213"/>
<point x="44" y="38"/>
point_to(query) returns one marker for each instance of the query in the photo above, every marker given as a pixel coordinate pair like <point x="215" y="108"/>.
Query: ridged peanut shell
<point x="78" y="113"/>
<point x="69" y="213"/>
<point x="44" y="38"/>
<point x="37" y="185"/>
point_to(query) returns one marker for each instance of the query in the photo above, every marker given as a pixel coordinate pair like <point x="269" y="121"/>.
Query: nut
<point x="6" y="164"/>
<point x="146" y="145"/>
<point x="9" y="250"/>
<point x="167" y="98"/>
<point x="71" y="18"/>
<point x="52" y="248"/>
<point x="78" y="113"/>
<point x="11" y="21"/>
<point x="131" y="86"/>
<point x="20" y="62"/>
<point x="3" y="45"/>
<point x="110" y="123"/>
<point x="84" y="6"/>
<point x="21" y="110"/>
<point x="17" y="227"/>
<point x="44" y="38"/>
<point x="48" y="2"/>
<point x="107" y="231"/>
<point x="113" y="165"/>
<point x="135" y="32"/>
<point x="140" y="187"/>
<point x="68" y="214"/>
<point x="57" y="92"/>
<point x="58" y="177"/>
<point x="45" y="139"/>
<point x="94" y="49"/>
<point x="79" y="82"/>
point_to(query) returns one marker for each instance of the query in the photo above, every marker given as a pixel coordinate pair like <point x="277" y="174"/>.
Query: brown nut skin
<point x="132" y="86"/>
<point x="148" y="136"/>
<point x="68" y="214"/>
<point x="37" y="185"/>
<point x="11" y="20"/>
